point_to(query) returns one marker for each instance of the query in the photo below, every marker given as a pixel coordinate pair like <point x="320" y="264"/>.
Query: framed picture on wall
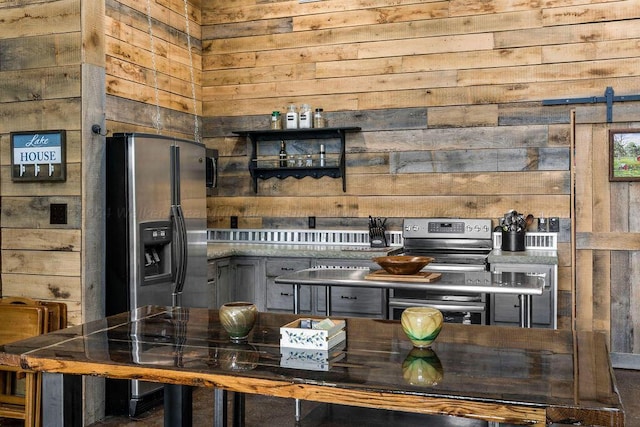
<point x="624" y="155"/>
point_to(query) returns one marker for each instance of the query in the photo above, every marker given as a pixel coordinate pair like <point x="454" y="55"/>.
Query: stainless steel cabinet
<point x="505" y="309"/>
<point x="280" y="297"/>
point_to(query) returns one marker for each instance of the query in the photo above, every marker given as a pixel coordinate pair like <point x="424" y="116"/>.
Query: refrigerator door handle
<point x="184" y="251"/>
<point x="179" y="252"/>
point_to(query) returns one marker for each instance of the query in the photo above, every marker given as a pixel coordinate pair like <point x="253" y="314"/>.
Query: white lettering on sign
<point x="37" y="140"/>
<point x="37" y="148"/>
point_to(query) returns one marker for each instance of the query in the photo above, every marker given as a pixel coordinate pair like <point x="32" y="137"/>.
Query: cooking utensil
<point x="514" y="221"/>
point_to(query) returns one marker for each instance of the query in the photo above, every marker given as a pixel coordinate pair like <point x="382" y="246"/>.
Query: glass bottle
<point x="318" y="119"/>
<point x="322" y="156"/>
<point x="276" y="120"/>
<point x="306" y="119"/>
<point x="283" y="154"/>
<point x="292" y="118"/>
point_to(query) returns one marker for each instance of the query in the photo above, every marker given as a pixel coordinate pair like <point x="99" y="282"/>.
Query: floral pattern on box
<point x="294" y="336"/>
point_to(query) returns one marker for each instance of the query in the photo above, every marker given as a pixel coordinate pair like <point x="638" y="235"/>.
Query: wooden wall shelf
<point x="333" y="169"/>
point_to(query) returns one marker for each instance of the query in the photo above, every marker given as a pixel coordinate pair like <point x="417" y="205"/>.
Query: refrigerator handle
<point x="184" y="251"/>
<point x="179" y="252"/>
<point x="175" y="174"/>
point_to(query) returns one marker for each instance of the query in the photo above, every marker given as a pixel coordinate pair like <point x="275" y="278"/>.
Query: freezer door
<point x="192" y="184"/>
<point x="149" y="195"/>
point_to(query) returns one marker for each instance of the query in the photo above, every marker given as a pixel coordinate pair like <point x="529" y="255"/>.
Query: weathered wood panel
<point x="37" y="115"/>
<point x="33" y="212"/>
<point x="12" y="55"/>
<point x="43" y="239"/>
<point x="70" y="187"/>
<point x="155" y="59"/>
<point x="53" y="288"/>
<point x="54" y="263"/>
<point x="607" y="239"/>
<point x="384" y="206"/>
<point x="40" y="89"/>
<point x="28" y="20"/>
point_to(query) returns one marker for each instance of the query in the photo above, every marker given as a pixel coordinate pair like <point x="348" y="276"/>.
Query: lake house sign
<point x="38" y="156"/>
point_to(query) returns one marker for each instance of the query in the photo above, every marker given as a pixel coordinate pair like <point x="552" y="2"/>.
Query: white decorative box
<point x="313" y="360"/>
<point x="301" y="334"/>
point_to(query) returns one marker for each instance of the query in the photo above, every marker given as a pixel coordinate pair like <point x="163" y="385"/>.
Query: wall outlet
<point x="234" y="222"/>
<point x="542" y="224"/>
<point x="312" y="222"/>
<point x="58" y="213"/>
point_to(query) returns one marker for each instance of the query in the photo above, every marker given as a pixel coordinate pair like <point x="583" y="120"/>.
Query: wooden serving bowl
<point x="402" y="264"/>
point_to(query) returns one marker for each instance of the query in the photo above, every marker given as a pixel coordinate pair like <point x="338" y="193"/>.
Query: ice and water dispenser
<point x="156" y="247"/>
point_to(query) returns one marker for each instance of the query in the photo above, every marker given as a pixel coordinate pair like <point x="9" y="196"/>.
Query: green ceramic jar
<point x="238" y="318"/>
<point x="422" y="325"/>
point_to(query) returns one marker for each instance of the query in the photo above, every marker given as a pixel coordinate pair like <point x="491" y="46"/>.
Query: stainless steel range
<point x="459" y="246"/>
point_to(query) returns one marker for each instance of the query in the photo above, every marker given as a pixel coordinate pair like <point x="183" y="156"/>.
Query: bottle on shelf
<point x="322" y="156"/>
<point x="276" y="120"/>
<point x="292" y="118"/>
<point x="283" y="154"/>
<point x="318" y="119"/>
<point x="306" y="117"/>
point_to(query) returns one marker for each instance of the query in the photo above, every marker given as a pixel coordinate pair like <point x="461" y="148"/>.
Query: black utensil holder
<point x="513" y="241"/>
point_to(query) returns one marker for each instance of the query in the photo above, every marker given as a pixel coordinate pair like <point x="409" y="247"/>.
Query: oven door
<point x="465" y="312"/>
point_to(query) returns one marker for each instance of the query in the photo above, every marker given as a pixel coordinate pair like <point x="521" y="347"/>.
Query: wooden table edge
<point x="502" y="412"/>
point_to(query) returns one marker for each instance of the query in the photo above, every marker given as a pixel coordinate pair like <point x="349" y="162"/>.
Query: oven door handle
<point x="475" y="308"/>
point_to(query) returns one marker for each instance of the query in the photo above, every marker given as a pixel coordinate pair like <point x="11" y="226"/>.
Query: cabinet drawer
<point x="506" y="309"/>
<point x="280" y="297"/>
<point x="353" y="300"/>
<point x="278" y="267"/>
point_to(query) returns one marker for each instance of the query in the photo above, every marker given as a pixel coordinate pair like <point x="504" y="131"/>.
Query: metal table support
<point x="296" y="310"/>
<point x="178" y="396"/>
<point x="526" y="310"/>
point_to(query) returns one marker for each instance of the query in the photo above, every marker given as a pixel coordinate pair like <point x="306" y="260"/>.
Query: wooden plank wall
<point x="40" y="89"/>
<point x="153" y="81"/>
<point x="448" y="94"/>
<point x="607" y="233"/>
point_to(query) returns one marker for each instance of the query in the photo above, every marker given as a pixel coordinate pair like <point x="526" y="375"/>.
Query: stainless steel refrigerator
<point x="156" y="244"/>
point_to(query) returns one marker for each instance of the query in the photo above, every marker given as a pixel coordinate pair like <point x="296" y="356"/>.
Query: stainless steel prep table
<point x="521" y="284"/>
